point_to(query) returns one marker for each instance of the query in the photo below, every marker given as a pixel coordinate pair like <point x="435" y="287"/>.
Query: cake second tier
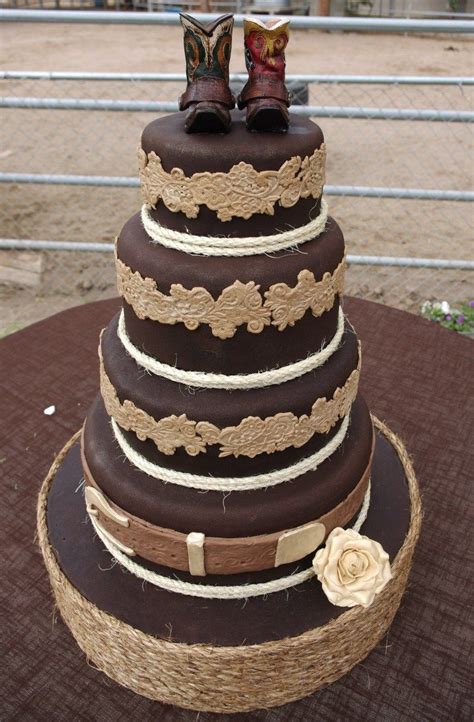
<point x="230" y="315"/>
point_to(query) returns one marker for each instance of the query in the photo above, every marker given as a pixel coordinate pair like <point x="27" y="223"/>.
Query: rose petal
<point x="320" y="560"/>
<point x="353" y="564"/>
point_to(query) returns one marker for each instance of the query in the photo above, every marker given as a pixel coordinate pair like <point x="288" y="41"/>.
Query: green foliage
<point x="459" y="317"/>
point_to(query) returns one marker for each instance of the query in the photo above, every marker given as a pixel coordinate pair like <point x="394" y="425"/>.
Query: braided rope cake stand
<point x="211" y="676"/>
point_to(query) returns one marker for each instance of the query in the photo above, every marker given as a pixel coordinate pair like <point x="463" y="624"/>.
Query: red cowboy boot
<point x="265" y="95"/>
<point x="207" y="98"/>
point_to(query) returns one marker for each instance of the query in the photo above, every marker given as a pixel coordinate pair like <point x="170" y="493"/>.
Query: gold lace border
<point x="239" y="193"/>
<point x="238" y="304"/>
<point x="252" y="436"/>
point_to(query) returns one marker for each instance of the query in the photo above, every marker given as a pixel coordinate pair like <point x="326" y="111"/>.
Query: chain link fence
<point x="367" y="156"/>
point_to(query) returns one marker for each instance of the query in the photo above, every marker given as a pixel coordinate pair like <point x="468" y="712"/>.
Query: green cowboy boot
<point x="207" y="97"/>
<point x="265" y="95"/>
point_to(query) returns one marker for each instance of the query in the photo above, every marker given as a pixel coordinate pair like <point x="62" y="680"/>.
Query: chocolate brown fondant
<point x="242" y="513"/>
<point x="207" y="223"/>
<point x="214" y="153"/>
<point x="218" y="153"/>
<point x="200" y="350"/>
<point x="245" y="353"/>
<point x="233" y="555"/>
<point x="161" y="397"/>
<point x="214" y="273"/>
<point x="210" y="621"/>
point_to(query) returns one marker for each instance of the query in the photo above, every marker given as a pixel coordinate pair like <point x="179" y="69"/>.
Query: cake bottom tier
<point x="220" y="655"/>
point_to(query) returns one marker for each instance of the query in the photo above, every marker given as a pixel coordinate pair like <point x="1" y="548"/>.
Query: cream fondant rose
<point x="351" y="568"/>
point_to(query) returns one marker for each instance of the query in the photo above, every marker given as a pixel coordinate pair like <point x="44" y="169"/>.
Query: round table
<point x="416" y="376"/>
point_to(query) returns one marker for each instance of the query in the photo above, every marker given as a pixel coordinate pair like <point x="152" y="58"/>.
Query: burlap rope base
<point x="230" y="679"/>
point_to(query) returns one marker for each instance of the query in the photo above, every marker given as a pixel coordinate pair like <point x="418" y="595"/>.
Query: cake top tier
<point x="217" y="153"/>
<point x="237" y="174"/>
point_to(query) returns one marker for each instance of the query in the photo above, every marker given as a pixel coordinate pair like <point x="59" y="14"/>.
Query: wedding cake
<point x="259" y="523"/>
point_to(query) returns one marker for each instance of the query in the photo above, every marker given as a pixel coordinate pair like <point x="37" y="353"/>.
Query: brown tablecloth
<point x="416" y="376"/>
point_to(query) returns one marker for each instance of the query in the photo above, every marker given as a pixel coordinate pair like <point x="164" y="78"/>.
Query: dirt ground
<point x="360" y="152"/>
<point x="158" y="49"/>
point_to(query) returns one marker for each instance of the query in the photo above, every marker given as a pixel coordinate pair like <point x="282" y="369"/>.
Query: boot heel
<point x="207" y="118"/>
<point x="263" y="115"/>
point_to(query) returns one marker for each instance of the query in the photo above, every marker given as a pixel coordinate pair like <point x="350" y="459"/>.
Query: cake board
<point x="220" y="655"/>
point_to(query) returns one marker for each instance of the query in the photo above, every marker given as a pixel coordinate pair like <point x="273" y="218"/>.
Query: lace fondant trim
<point x="231" y="483"/>
<point x="237" y="305"/>
<point x="239" y="193"/>
<point x="251" y="437"/>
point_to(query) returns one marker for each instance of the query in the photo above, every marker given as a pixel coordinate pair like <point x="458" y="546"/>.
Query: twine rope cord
<point x="259" y="379"/>
<point x="228" y="483"/>
<point x="270" y="673"/>
<point x="213" y="591"/>
<point x="225" y="246"/>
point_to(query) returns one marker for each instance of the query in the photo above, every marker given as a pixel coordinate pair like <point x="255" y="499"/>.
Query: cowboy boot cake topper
<point x="207" y="98"/>
<point x="265" y="95"/>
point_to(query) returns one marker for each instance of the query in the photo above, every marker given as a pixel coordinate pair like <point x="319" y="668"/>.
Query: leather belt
<point x="200" y="554"/>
